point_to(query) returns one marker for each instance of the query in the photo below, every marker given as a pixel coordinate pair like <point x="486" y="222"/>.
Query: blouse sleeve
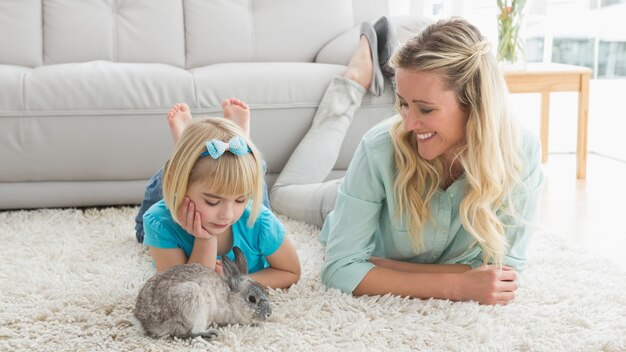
<point x="348" y="232"/>
<point x="525" y="200"/>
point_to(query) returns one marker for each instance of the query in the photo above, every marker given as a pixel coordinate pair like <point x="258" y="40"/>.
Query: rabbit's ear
<point x="231" y="272"/>
<point x="240" y="259"/>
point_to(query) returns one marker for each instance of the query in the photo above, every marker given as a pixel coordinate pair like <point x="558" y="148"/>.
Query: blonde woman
<point x="438" y="201"/>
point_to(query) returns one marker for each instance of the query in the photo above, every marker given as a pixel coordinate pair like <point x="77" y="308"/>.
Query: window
<point x="573" y="51"/>
<point x="611" y="59"/>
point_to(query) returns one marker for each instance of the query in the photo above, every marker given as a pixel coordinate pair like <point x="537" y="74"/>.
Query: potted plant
<point x="510" y="42"/>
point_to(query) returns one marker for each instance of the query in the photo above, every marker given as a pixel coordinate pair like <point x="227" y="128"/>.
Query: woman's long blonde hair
<point x="490" y="157"/>
<point x="227" y="175"/>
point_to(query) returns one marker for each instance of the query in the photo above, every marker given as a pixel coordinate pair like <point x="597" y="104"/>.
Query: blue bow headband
<point x="216" y="148"/>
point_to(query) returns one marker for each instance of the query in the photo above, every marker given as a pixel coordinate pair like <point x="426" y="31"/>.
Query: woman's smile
<point x="424" y="137"/>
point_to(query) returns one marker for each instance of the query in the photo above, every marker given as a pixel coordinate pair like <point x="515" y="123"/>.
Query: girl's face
<point x="218" y="211"/>
<point x="431" y="112"/>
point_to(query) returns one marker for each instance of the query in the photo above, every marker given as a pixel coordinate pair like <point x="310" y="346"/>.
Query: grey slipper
<point x="378" y="81"/>
<point x="387" y="44"/>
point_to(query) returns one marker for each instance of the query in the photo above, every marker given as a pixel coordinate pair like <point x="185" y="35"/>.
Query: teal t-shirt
<point x="256" y="242"/>
<point x="364" y="223"/>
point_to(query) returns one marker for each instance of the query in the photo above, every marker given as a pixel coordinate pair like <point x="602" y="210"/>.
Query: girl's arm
<point x="204" y="249"/>
<point x="284" y="269"/>
<point x="165" y="258"/>
<point x="486" y="284"/>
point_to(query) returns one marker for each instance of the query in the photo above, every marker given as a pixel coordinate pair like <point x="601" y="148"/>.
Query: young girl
<point x="212" y="191"/>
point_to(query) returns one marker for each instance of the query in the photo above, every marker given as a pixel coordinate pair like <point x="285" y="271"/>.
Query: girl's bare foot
<point x="238" y="112"/>
<point x="177" y="118"/>
<point x="361" y="65"/>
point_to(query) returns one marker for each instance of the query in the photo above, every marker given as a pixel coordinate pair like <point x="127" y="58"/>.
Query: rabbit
<point x="186" y="300"/>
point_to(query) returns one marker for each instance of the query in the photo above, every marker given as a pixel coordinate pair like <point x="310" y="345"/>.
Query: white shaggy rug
<point x="69" y="278"/>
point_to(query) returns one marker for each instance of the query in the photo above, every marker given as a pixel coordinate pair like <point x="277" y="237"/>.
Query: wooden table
<point x="546" y="78"/>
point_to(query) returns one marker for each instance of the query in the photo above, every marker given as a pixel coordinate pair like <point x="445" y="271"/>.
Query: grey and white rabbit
<point x="187" y="300"/>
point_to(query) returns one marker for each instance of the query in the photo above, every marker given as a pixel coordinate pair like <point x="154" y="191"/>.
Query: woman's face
<point x="431" y="112"/>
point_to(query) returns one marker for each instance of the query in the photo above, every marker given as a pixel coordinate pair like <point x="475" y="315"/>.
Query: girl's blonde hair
<point x="490" y="157"/>
<point x="227" y="175"/>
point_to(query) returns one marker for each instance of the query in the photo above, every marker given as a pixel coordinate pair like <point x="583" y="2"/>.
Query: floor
<point x="588" y="212"/>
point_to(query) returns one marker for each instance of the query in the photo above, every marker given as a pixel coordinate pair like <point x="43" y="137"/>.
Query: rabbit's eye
<point x="252" y="299"/>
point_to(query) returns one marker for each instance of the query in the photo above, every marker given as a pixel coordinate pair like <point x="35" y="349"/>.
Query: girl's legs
<point x="152" y="194"/>
<point x="300" y="191"/>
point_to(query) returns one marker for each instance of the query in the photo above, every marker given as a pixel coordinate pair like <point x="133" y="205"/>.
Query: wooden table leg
<point x="583" y="115"/>
<point x="545" y="125"/>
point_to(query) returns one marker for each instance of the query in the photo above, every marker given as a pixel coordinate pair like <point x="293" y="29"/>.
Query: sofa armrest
<point x="339" y="50"/>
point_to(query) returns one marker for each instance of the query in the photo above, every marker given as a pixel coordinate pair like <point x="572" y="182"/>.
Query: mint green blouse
<point x="363" y="223"/>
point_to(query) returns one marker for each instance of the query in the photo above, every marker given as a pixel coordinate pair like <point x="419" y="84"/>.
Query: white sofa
<point x="85" y="84"/>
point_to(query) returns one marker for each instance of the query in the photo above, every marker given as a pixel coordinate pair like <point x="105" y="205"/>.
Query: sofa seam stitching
<point x="114" y="30"/>
<point x="184" y="35"/>
<point x="253" y="54"/>
<point x="42" y="34"/>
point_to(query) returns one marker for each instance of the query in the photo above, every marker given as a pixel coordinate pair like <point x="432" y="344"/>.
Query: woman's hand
<point x="191" y="220"/>
<point x="488" y="284"/>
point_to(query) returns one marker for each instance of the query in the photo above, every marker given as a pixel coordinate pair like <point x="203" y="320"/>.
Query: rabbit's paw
<point x="209" y="334"/>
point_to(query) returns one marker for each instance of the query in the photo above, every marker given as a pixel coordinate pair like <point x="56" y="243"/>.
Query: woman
<point x="438" y="201"/>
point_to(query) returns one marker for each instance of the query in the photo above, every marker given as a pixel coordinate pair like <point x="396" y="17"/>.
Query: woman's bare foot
<point x="361" y="66"/>
<point x="238" y="112"/>
<point x="177" y="118"/>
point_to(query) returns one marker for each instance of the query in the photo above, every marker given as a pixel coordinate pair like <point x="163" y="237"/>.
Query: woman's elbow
<point x="330" y="280"/>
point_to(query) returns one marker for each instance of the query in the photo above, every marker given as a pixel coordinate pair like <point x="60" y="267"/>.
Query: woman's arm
<point x="485" y="285"/>
<point x="284" y="269"/>
<point x="417" y="267"/>
<point x="349" y="231"/>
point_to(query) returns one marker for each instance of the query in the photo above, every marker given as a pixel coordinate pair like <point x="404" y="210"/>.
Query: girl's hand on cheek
<point x="198" y="231"/>
<point x="191" y="220"/>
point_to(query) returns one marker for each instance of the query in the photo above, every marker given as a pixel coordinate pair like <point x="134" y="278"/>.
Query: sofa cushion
<point x="339" y="50"/>
<point x="90" y="147"/>
<point x="262" y="30"/>
<point x="114" y="30"/>
<point x="93" y="87"/>
<point x="12" y="88"/>
<point x="287" y="84"/>
<point x="20" y="37"/>
<point x="283" y="106"/>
